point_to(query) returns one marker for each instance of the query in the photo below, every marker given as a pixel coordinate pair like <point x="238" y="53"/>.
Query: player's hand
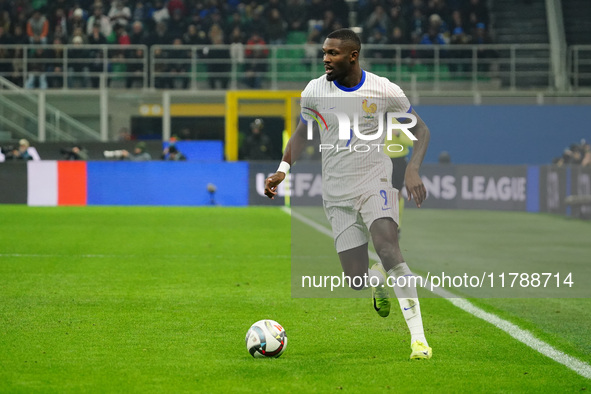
<point x="272" y="182"/>
<point x="414" y="186"/>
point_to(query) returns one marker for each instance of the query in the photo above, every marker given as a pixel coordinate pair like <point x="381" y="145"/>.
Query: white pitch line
<point x="513" y="330"/>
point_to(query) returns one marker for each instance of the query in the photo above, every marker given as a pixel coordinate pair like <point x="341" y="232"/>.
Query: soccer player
<point x="357" y="191"/>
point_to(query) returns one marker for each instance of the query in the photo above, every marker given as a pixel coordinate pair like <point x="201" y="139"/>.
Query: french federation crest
<point x="369" y="110"/>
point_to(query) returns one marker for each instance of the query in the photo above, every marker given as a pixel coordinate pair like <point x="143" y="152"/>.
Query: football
<point x="266" y="338"/>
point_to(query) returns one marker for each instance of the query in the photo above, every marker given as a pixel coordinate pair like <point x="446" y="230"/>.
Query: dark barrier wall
<point x="193" y="150"/>
<point x="13" y="183"/>
<point x="581" y="186"/>
<point x="517" y="134"/>
<point x="95" y="150"/>
<point x="554" y="188"/>
<point x="556" y="184"/>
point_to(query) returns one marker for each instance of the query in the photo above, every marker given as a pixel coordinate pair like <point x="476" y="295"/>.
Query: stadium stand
<point x="524" y="22"/>
<point x="176" y="22"/>
<point x="577" y="22"/>
<point x="154" y="24"/>
<point x="518" y="22"/>
<point x="577" y="26"/>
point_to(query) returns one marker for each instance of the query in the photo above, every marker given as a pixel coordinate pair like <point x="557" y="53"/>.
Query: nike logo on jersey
<point x="410" y="307"/>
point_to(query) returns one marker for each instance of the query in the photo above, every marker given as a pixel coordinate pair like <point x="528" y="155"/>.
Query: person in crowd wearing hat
<point x="139" y="153"/>
<point x="23" y="151"/>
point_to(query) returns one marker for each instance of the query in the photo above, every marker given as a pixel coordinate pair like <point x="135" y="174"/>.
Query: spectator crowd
<point x="246" y="26"/>
<point x="576" y="154"/>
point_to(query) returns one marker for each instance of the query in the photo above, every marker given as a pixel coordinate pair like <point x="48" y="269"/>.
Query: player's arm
<point x="293" y="149"/>
<point x="414" y="185"/>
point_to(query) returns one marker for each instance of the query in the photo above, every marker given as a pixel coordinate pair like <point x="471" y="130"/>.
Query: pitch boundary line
<point x="513" y="330"/>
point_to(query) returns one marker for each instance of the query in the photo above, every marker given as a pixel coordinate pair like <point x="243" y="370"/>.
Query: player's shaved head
<point x="348" y="36"/>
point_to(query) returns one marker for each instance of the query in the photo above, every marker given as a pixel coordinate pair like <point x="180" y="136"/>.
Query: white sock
<point x="409" y="301"/>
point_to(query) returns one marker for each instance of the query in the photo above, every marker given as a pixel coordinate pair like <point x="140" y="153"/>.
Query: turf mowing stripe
<point x="118" y="256"/>
<point x="513" y="330"/>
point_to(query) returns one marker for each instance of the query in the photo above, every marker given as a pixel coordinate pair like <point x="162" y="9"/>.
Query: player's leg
<point x="384" y="233"/>
<point x="398" y="171"/>
<point x="380" y="214"/>
<point x="400" y="211"/>
<point x="350" y="239"/>
<point x="351" y="242"/>
<point x="355" y="264"/>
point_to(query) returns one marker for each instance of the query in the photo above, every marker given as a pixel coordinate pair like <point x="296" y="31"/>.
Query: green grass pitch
<point x="153" y="300"/>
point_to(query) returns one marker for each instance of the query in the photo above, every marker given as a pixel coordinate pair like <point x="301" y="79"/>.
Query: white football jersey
<point x="353" y="166"/>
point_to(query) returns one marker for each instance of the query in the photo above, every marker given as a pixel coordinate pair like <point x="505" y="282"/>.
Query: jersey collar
<point x="354" y="88"/>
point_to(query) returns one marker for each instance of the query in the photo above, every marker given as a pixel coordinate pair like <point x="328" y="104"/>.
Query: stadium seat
<point x="444" y="74"/>
<point x="380" y="68"/>
<point x="296" y="72"/>
<point x="423" y="72"/>
<point x="296" y="37"/>
<point x="404" y="73"/>
<point x="200" y="72"/>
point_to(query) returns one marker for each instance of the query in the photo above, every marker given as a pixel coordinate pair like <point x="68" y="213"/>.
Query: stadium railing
<point x="474" y="66"/>
<point x="32" y="117"/>
<point x="425" y="67"/>
<point x="579" y="65"/>
<point x="74" y="66"/>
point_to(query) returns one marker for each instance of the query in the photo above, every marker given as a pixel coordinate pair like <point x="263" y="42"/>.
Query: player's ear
<point x="354" y="55"/>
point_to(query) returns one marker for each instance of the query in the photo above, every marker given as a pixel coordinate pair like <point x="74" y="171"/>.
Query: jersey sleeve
<point x="397" y="100"/>
<point x="307" y="104"/>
